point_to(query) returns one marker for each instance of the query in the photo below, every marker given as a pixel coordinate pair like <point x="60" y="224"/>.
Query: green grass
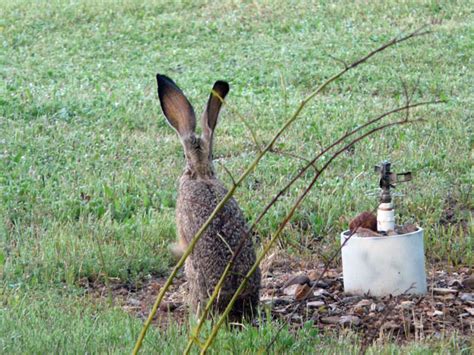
<point x="89" y="168"/>
<point x="55" y="321"/>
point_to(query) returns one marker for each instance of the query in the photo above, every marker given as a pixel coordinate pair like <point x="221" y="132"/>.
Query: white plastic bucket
<point x="384" y="265"/>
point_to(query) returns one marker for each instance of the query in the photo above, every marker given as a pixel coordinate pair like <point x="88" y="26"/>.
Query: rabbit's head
<point x="180" y="115"/>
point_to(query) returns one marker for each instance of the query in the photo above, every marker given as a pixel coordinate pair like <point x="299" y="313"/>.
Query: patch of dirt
<point x="447" y="307"/>
<point x="289" y="290"/>
<point x="139" y="300"/>
<point x="454" y="213"/>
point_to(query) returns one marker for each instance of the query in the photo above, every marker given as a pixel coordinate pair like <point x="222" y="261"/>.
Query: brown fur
<point x="199" y="193"/>
<point x="366" y="220"/>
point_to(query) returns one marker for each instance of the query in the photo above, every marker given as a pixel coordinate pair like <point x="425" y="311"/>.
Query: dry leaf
<point x="302" y="291"/>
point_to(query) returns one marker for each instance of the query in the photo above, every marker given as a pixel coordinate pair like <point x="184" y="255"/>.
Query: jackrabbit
<point x="199" y="193"/>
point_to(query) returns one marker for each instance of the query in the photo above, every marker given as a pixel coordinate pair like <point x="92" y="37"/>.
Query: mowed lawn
<point x="89" y="168"/>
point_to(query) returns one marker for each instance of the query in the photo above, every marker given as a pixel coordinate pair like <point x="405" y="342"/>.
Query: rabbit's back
<point x="196" y="201"/>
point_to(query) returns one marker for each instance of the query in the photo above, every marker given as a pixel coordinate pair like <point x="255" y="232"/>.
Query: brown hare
<point x="199" y="193"/>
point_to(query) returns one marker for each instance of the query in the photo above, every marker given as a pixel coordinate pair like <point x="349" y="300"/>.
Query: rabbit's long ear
<point x="176" y="107"/>
<point x="209" y="118"/>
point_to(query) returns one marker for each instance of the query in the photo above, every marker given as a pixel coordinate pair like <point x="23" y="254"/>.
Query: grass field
<point x="89" y="168"/>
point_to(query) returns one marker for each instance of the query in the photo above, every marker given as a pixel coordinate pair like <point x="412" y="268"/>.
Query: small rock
<point x="349" y="320"/>
<point x="455" y="283"/>
<point x="320" y="283"/>
<point x="469" y="282"/>
<point x="330" y="320"/>
<point x="296" y="317"/>
<point x="391" y="232"/>
<point x="302" y="291"/>
<point x="444" y="291"/>
<point x="470" y="311"/>
<point x="276" y="301"/>
<point x="373" y="307"/>
<point x="290" y="290"/>
<point x="133" y="302"/>
<point x="365" y="233"/>
<point x="267" y="299"/>
<point x="315" y="304"/>
<point x="297" y="280"/>
<point x="407" y="304"/>
<point x="437" y="313"/>
<point x="371" y="314"/>
<point x="390" y="325"/>
<point x="320" y="292"/>
<point x="363" y="303"/>
<point x="467" y="297"/>
<point x="351" y="299"/>
<point x="380" y="307"/>
<point x="405" y="229"/>
<point x="282" y="310"/>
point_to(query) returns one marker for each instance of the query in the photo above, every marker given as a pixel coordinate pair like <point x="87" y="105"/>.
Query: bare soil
<point x="447" y="308"/>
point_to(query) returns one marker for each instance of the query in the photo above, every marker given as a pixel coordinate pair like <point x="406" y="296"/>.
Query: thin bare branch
<point x="228" y="173"/>
<point x="224" y="315"/>
<point x="293" y="155"/>
<point x="282" y="192"/>
<point x="242" y="118"/>
<point x="285" y="92"/>
<point x="407" y="97"/>
<point x="315" y="283"/>
<point x="338" y="60"/>
<point x="419" y="32"/>
<point x="244" y="175"/>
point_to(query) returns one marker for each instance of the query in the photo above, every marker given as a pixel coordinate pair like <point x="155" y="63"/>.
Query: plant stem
<point x="224" y="315"/>
<point x="252" y="166"/>
<point x="309" y="164"/>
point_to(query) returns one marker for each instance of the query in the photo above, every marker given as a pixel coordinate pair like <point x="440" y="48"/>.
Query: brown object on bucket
<point x="365" y="220"/>
<point x="366" y="232"/>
